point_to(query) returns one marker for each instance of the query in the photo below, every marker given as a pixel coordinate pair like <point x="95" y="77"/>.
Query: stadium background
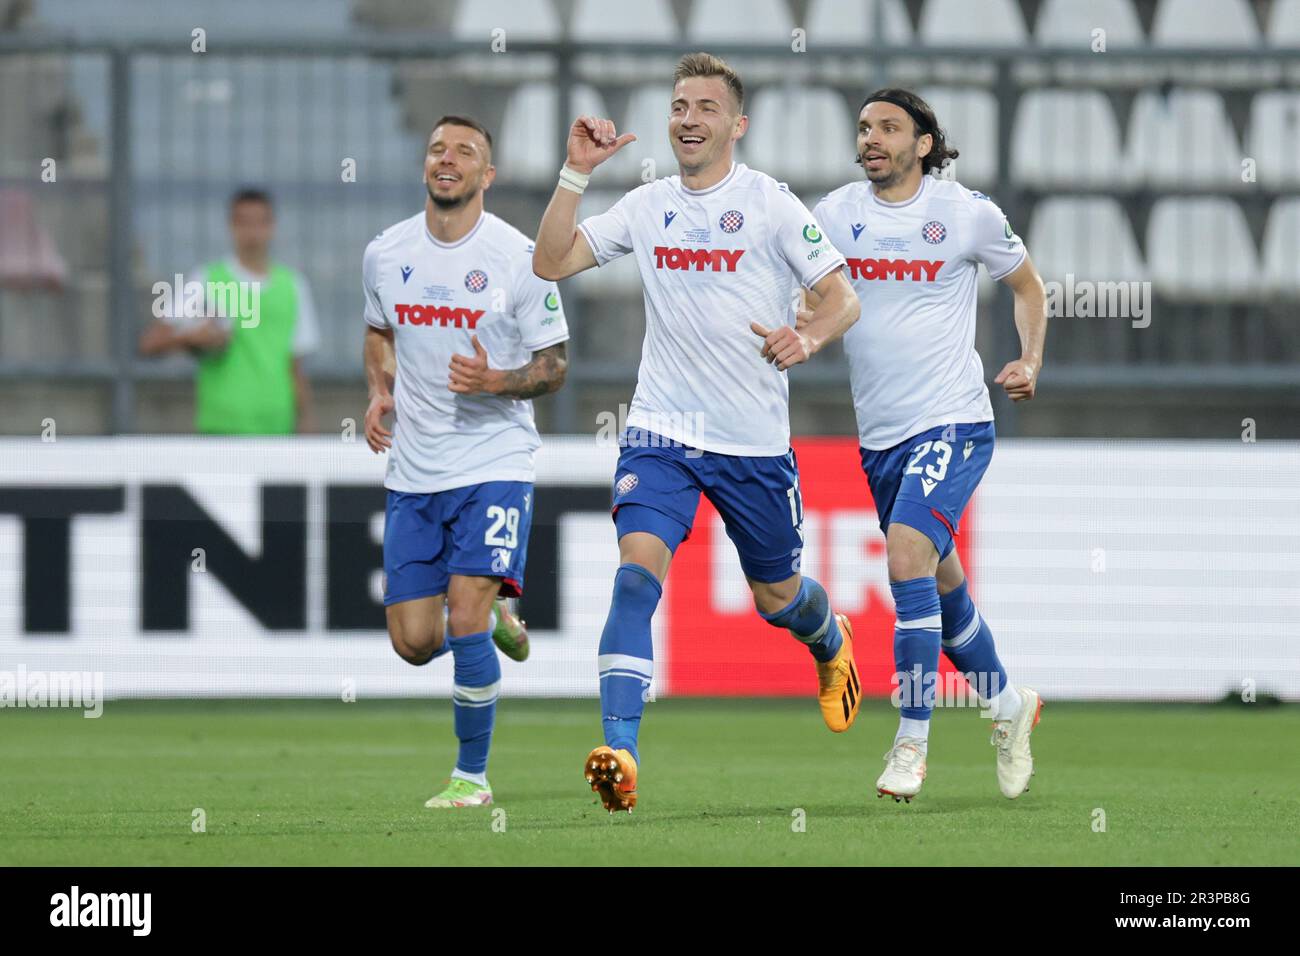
<point x="1129" y="541"/>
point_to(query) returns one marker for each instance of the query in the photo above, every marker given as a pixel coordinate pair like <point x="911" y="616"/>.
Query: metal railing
<point x="328" y="222"/>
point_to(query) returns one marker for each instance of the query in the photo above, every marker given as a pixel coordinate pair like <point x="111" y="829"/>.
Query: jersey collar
<point x="731" y="174"/>
<point x="899" y="205"/>
<point x="459" y="242"/>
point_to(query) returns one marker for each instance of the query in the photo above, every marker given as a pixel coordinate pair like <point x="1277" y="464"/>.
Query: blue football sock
<point x="477" y="679"/>
<point x="917" y="633"/>
<point x="968" y="642"/>
<point x="808" y="617"/>
<point x="626" y="660"/>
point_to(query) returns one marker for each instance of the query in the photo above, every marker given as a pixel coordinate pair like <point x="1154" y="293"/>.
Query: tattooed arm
<point x="470" y="375"/>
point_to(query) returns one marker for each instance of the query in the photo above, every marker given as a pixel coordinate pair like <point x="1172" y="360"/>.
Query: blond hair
<point x="706" y="64"/>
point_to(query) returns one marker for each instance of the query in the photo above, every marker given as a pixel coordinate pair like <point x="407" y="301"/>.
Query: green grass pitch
<point x="321" y="783"/>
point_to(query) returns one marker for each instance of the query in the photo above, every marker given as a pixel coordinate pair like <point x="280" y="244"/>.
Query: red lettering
<point x="444" y="315"/>
<point x="717" y="260"/>
<point x="918" y="270"/>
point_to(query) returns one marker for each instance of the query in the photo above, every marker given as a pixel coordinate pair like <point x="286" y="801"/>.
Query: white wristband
<point x="573" y="180"/>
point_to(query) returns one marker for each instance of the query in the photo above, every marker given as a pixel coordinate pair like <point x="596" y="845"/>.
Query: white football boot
<point x="904" y="770"/>
<point x="1011" y="738"/>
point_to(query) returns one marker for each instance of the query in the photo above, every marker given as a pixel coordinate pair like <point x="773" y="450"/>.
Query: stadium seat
<point x="647" y="116"/>
<point x="476" y="19"/>
<point x="970" y="118"/>
<point x="972" y="23"/>
<point x="801" y="135"/>
<point x="834" y="21"/>
<point x="1275" y="137"/>
<point x="1066" y="136"/>
<point x="1089" y="238"/>
<point x="649" y="21"/>
<point x="1183" y="139"/>
<point x="529" y="146"/>
<point x="1204" y="23"/>
<point x="1282" y="247"/>
<point x="1284" y="24"/>
<point x="1201" y="249"/>
<point x="1069" y="23"/>
<point x="740" y="21"/>
<point x="188" y="113"/>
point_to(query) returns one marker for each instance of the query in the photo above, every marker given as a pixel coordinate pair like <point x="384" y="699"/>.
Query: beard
<point x="900" y="167"/>
<point x="450" y="203"/>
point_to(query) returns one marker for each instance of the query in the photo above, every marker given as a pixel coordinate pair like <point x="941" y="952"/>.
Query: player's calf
<point x="829" y="638"/>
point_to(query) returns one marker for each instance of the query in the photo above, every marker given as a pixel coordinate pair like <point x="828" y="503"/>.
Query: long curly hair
<point x="924" y="121"/>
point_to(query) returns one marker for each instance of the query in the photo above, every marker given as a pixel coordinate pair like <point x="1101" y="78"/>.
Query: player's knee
<point x="469" y="617"/>
<point x="414" y="653"/>
<point x="635" y="585"/>
<point x="415" y="645"/>
<point x="908" y="562"/>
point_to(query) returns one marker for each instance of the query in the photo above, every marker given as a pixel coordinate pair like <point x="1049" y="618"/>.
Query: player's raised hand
<point x="1019" y="378"/>
<point x="783" y="346"/>
<point x="377" y="436"/>
<point x="470" y="375"/>
<point x="592" y="141"/>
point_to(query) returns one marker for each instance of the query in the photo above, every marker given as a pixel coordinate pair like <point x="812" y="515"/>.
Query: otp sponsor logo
<point x="719" y="260"/>
<point x="443" y="315"/>
<point x="920" y="270"/>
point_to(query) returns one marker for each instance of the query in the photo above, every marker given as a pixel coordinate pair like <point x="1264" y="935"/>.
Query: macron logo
<point x="919" y="270"/>
<point x="407" y="270"/>
<point x="103" y="909"/>
<point x="719" y="260"/>
<point x="668" y="218"/>
<point x="857" y="228"/>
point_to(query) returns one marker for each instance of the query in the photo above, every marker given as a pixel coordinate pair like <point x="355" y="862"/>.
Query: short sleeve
<point x="538" y="311"/>
<point x="610" y="234"/>
<point x="306" y="328"/>
<point x="374" y="308"/>
<point x="994" y="242"/>
<point x="800" y="241"/>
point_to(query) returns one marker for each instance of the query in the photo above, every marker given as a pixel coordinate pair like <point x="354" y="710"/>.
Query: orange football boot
<point x="612" y="774"/>
<point x="839" y="690"/>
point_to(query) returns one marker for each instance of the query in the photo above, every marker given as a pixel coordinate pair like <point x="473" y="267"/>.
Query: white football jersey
<point x="914" y="265"/>
<point x="712" y="261"/>
<point x="434" y="296"/>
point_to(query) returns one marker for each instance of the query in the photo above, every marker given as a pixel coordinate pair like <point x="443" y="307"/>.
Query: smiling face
<point x="888" y="146"/>
<point x="457" y="165"/>
<point x="704" y="122"/>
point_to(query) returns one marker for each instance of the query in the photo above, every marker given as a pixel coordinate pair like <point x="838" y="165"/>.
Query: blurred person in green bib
<point x="249" y="321"/>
